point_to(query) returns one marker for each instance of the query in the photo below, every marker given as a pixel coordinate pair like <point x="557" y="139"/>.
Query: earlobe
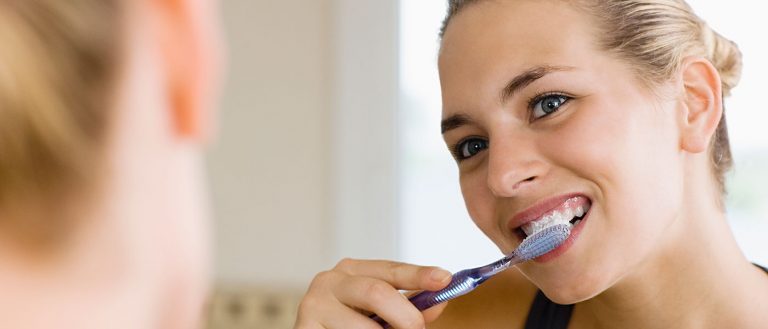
<point x="183" y="40"/>
<point x="703" y="104"/>
<point x="186" y="117"/>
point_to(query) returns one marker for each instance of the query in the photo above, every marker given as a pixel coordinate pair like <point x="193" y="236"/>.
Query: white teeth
<point x="568" y="213"/>
<point x="556" y="217"/>
<point x="528" y="229"/>
<point x="578" y="212"/>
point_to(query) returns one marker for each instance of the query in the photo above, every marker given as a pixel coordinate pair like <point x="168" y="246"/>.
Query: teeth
<point x="578" y="212"/>
<point x="556" y="217"/>
<point x="568" y="213"/>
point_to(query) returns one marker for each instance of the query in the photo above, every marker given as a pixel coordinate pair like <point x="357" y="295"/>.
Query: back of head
<point x="57" y="67"/>
<point x="103" y="210"/>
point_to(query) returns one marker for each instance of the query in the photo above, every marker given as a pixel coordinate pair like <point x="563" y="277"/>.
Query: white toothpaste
<point x="561" y="215"/>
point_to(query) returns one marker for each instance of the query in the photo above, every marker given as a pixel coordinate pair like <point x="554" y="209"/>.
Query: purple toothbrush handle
<point x="461" y="283"/>
<point x="465" y="281"/>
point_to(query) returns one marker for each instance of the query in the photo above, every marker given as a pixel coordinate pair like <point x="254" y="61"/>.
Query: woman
<point x="614" y="106"/>
<point x="103" y="107"/>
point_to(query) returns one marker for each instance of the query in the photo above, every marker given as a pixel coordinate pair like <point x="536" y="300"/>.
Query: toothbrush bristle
<point x="544" y="241"/>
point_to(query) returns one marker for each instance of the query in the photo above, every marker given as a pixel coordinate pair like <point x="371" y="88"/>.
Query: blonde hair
<point x="654" y="36"/>
<point x="57" y="63"/>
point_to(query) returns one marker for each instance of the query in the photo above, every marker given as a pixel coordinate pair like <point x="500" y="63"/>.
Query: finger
<point x="380" y="297"/>
<point x="310" y="311"/>
<point x="342" y="317"/>
<point x="329" y="313"/>
<point x="401" y="275"/>
<point x="431" y="314"/>
<point x="338" y="316"/>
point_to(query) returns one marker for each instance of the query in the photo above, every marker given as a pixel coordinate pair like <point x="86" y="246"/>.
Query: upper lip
<point x="538" y="209"/>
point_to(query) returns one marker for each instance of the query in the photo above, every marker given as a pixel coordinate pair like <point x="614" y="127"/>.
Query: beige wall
<point x="269" y="168"/>
<point x="304" y="171"/>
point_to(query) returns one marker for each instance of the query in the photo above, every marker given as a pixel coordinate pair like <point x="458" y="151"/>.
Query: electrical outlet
<point x="252" y="308"/>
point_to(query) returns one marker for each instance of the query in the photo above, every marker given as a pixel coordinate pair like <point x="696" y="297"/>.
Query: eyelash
<point x="535" y="100"/>
<point x="456" y="149"/>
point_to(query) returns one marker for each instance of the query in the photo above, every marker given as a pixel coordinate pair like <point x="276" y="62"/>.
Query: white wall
<point x="303" y="172"/>
<point x="269" y="168"/>
<point x="365" y="142"/>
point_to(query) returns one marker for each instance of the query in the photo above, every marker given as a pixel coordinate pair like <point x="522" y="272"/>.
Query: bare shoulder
<point x="501" y="302"/>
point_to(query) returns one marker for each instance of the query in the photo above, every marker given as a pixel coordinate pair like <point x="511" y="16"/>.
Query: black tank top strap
<point x="546" y="314"/>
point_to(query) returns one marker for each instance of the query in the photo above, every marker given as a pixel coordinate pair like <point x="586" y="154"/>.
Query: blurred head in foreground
<point x="105" y="106"/>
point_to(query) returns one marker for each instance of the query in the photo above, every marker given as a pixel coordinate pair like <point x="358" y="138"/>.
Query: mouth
<point x="561" y="210"/>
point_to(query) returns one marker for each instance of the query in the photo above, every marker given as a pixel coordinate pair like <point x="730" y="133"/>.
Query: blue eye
<point x="470" y="147"/>
<point x="546" y="105"/>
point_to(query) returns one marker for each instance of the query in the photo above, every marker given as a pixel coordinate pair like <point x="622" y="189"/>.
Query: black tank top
<point x="546" y="314"/>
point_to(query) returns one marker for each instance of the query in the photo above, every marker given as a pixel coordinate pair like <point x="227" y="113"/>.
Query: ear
<point x="185" y="34"/>
<point x="702" y="104"/>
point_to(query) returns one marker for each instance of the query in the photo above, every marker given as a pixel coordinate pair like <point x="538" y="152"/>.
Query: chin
<point x="570" y="296"/>
<point x="573" y="291"/>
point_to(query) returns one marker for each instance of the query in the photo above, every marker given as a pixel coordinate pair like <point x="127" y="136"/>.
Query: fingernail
<point x="440" y="275"/>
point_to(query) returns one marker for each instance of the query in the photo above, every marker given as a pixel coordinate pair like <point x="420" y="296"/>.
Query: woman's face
<point x="537" y="115"/>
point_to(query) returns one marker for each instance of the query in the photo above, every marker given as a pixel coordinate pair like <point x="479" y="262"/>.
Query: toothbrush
<point x="467" y="280"/>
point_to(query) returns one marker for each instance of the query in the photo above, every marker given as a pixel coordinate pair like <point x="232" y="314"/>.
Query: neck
<point x="132" y="261"/>
<point x="698" y="278"/>
<point x="82" y="280"/>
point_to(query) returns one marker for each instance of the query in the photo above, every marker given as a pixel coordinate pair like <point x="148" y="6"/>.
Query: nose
<point x="513" y="167"/>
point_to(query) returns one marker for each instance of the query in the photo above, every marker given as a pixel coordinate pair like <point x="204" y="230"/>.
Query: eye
<point x="469" y="148"/>
<point x="547" y="104"/>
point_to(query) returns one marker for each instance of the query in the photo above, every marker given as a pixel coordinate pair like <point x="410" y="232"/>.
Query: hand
<point x="346" y="295"/>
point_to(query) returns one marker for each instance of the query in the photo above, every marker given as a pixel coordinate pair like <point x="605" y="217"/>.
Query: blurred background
<point x="329" y="147"/>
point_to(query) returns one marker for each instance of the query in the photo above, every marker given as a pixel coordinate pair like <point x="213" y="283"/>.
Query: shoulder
<point x="501" y="302"/>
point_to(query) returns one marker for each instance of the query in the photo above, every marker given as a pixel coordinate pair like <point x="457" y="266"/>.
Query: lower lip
<point x="567" y="244"/>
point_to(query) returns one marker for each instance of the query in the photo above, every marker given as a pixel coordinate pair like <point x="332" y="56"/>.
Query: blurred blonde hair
<point x="57" y="63"/>
<point x="654" y="36"/>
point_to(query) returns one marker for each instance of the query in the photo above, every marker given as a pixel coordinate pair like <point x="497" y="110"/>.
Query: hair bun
<point x="725" y="56"/>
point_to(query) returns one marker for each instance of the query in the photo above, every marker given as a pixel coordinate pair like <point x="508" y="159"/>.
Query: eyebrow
<point x="528" y="77"/>
<point x="453" y="122"/>
<point x="513" y="86"/>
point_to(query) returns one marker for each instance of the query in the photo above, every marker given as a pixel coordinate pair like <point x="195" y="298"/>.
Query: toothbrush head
<point x="543" y="242"/>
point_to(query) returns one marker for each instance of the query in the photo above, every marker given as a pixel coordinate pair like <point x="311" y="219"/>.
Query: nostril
<point x="523" y="182"/>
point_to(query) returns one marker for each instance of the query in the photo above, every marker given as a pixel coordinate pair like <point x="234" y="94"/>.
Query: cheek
<point x="480" y="203"/>
<point x="629" y="159"/>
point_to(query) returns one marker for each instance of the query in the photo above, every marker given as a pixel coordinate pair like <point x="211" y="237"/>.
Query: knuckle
<point x="322" y="279"/>
<point x="398" y="272"/>
<point x="394" y="267"/>
<point x="307" y="305"/>
<point x="345" y="264"/>
<point x="321" y="284"/>
<point x="307" y="312"/>
<point x="377" y="291"/>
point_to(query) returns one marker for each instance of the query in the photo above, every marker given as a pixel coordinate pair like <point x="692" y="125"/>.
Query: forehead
<point x="489" y="42"/>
